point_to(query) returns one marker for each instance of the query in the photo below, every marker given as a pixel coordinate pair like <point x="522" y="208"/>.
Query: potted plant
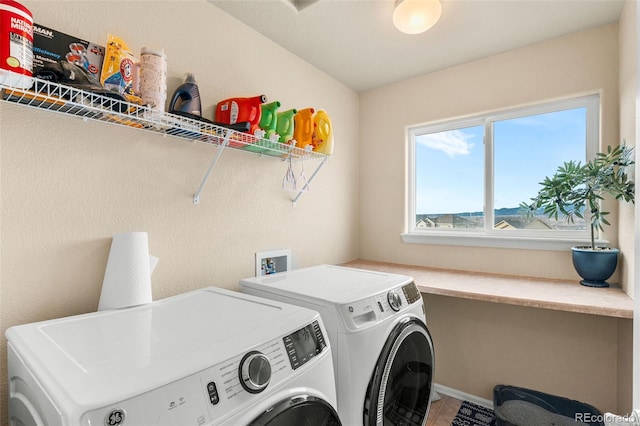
<point x="576" y="191"/>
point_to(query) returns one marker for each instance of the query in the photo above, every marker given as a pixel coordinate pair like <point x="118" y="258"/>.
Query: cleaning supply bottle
<point x="186" y="98"/>
<point x="269" y="118"/>
<point x="322" y="138"/>
<point x="267" y="127"/>
<point x="285" y="125"/>
<point x="303" y="127"/>
<point x="16" y="45"/>
<point x="238" y="110"/>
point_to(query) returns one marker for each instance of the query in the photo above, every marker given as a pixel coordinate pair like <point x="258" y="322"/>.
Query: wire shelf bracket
<point x="225" y="143"/>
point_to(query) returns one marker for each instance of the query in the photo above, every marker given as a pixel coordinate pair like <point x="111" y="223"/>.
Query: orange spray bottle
<point x="303" y="130"/>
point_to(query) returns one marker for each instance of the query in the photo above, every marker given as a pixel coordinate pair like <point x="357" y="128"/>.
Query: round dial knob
<point x="395" y="301"/>
<point x="254" y="372"/>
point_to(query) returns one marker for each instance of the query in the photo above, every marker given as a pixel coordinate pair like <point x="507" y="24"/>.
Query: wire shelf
<point x="99" y="107"/>
<point x="88" y="105"/>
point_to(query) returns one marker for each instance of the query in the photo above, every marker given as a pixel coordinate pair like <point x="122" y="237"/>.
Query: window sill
<point x="482" y="240"/>
<point x="568" y="296"/>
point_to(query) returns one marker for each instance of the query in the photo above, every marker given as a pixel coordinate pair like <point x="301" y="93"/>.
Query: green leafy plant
<point x="576" y="190"/>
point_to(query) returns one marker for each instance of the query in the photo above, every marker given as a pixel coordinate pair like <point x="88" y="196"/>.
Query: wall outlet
<point x="270" y="262"/>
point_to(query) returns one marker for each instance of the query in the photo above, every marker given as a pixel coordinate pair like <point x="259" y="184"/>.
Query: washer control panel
<point x="366" y="312"/>
<point x="255" y="372"/>
<point x="218" y="391"/>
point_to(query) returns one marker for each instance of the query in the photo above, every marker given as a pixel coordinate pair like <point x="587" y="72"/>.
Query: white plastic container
<point x="16" y="45"/>
<point x="153" y="78"/>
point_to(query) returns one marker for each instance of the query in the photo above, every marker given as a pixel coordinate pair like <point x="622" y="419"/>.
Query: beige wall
<point x="69" y="185"/>
<point x="629" y="69"/>
<point x="479" y="344"/>
<point x="578" y="64"/>
<point x="628" y="41"/>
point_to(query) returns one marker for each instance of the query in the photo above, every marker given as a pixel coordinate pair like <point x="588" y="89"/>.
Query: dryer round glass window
<point x="300" y="410"/>
<point x="400" y="388"/>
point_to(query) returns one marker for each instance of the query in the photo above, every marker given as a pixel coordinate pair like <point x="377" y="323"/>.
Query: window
<point x="468" y="177"/>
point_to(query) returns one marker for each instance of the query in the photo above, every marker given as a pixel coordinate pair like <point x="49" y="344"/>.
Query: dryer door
<point x="400" y="389"/>
<point x="299" y="410"/>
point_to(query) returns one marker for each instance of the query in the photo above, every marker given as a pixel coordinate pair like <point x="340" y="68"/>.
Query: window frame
<point x="487" y="236"/>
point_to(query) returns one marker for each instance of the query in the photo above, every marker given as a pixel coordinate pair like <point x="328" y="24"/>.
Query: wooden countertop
<point x="543" y="293"/>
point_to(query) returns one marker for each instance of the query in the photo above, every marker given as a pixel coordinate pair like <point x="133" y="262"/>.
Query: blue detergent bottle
<point x="186" y="98"/>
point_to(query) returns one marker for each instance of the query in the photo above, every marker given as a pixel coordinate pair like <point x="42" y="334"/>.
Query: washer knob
<point x="395" y="301"/>
<point x="255" y="372"/>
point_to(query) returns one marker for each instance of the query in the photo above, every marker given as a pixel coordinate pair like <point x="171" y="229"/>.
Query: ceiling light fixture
<point x="416" y="16"/>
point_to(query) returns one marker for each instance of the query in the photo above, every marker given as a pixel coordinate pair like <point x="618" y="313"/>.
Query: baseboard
<point x="463" y="396"/>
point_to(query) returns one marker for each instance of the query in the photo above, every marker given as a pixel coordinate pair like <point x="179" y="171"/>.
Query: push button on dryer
<point x="213" y="393"/>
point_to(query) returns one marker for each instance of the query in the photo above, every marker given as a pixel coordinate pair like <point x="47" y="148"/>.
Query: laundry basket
<point x="514" y="406"/>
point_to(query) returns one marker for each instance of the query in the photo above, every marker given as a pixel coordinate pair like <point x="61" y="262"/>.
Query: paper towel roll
<point x="127" y="278"/>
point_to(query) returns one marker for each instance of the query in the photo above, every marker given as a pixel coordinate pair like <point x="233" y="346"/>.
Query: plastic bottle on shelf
<point x="303" y="127"/>
<point x="285" y="125"/>
<point x="322" y="138"/>
<point x="267" y="127"/>
<point x="153" y="78"/>
<point x="16" y="45"/>
<point x="186" y="98"/>
<point x="239" y="110"/>
<point x="269" y="118"/>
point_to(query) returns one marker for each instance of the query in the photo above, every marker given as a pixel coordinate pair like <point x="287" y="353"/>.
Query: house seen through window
<point x="470" y="175"/>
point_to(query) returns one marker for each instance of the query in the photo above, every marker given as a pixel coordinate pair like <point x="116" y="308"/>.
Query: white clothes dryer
<point x="382" y="350"/>
<point x="210" y="357"/>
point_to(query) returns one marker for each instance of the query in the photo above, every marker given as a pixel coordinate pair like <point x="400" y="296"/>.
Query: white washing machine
<point x="208" y="357"/>
<point x="382" y="350"/>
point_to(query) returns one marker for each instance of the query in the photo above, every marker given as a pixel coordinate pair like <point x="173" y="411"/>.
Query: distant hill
<point x="512" y="215"/>
<point x="506" y="211"/>
<point x="509" y="211"/>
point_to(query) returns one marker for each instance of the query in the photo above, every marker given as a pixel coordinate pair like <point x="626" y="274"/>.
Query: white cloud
<point x="452" y="143"/>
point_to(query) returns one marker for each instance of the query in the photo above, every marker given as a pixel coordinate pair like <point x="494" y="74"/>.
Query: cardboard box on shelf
<point x="50" y="46"/>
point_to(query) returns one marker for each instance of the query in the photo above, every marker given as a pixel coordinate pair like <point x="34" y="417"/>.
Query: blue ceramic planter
<point x="595" y="266"/>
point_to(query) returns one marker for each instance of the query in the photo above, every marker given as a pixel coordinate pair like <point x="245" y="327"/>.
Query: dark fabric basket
<point x="514" y="406"/>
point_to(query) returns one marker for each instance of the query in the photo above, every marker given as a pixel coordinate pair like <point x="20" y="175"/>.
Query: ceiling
<point x="355" y="42"/>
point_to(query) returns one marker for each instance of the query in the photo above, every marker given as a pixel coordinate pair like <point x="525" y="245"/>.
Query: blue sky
<point x="449" y="172"/>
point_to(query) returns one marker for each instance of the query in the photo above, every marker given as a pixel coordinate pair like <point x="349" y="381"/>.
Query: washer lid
<point x="99" y="357"/>
<point x="335" y="284"/>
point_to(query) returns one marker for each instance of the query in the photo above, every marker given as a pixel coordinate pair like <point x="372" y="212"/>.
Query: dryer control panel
<point x="304" y="344"/>
<point x="366" y="312"/>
